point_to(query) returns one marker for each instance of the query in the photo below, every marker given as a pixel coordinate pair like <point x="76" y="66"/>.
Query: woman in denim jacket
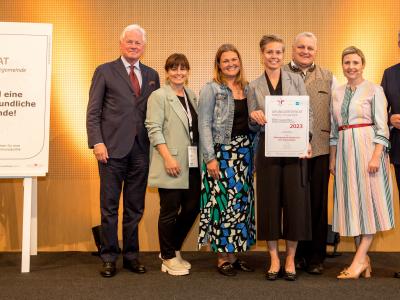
<point x="227" y="219"/>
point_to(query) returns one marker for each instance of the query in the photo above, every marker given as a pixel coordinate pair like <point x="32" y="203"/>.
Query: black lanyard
<point x="188" y="113"/>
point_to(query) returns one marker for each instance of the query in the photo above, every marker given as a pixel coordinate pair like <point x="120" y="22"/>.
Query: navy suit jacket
<point x="115" y="115"/>
<point x="391" y="87"/>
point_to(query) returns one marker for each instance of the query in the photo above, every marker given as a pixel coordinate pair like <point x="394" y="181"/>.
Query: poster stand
<point x="25" y="98"/>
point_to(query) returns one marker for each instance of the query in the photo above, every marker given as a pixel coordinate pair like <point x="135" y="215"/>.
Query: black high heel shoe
<point x="290" y="276"/>
<point x="272" y="275"/>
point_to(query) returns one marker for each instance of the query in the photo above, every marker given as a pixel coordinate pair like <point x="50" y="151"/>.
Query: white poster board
<point x="25" y="78"/>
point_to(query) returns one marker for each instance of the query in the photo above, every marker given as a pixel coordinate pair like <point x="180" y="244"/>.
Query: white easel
<point x="29" y="223"/>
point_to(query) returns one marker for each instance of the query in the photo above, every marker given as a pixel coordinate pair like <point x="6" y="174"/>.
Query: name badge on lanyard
<point x="193" y="158"/>
<point x="192" y="150"/>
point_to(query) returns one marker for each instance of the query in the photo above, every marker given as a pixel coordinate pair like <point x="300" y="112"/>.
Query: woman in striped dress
<point x="363" y="202"/>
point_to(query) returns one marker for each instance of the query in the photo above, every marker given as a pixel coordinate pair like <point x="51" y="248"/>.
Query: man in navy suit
<point x="391" y="87"/>
<point x="116" y="132"/>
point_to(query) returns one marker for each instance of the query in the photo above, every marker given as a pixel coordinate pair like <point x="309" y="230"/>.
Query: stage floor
<point x="75" y="275"/>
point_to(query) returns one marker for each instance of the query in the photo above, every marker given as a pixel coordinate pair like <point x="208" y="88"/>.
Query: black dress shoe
<point x="227" y="269"/>
<point x="397" y="275"/>
<point x="317" y="269"/>
<point x="242" y="266"/>
<point x="290" y="276"/>
<point x="108" y="269"/>
<point x="301" y="263"/>
<point x="135" y="266"/>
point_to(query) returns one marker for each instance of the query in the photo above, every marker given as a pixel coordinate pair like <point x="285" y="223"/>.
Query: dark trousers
<point x="314" y="251"/>
<point x="178" y="210"/>
<point x="282" y="193"/>
<point x="127" y="174"/>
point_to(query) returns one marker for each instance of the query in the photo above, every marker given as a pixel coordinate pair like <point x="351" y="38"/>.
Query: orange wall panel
<point x="86" y="34"/>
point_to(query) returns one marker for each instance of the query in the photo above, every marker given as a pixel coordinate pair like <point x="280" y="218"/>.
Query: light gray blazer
<point x="167" y="123"/>
<point x="292" y="84"/>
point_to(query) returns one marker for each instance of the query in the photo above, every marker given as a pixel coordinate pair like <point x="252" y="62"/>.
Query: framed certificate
<point x="287" y="128"/>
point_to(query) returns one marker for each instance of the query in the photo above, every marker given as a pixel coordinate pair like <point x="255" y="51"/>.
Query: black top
<point x="278" y="90"/>
<point x="195" y="127"/>
<point x="240" y="118"/>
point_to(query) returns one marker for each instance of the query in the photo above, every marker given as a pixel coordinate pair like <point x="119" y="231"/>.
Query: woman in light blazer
<point x="171" y="122"/>
<point x="282" y="185"/>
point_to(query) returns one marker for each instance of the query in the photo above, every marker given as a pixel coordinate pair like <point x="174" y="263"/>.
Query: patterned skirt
<point x="227" y="219"/>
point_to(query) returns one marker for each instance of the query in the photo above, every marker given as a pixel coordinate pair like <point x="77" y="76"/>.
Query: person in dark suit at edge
<point x="391" y="87"/>
<point x="116" y="132"/>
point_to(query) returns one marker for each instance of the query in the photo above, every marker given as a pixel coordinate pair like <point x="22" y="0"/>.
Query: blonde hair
<point x="266" y="39"/>
<point x="354" y="50"/>
<point x="218" y="76"/>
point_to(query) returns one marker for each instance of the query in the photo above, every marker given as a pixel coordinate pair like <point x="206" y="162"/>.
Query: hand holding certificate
<point x="287" y="127"/>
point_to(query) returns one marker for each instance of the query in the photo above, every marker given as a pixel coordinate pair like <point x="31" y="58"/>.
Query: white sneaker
<point x="185" y="263"/>
<point x="174" y="267"/>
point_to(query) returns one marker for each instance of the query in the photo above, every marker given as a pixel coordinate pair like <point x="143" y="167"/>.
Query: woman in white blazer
<point x="171" y="122"/>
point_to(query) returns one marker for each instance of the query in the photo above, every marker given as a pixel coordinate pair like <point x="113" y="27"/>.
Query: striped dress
<point x="363" y="201"/>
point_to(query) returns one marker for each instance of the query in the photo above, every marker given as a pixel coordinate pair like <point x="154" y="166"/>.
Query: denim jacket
<point x="216" y="113"/>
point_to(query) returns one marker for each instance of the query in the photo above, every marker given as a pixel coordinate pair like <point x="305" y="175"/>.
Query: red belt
<point x="344" y="127"/>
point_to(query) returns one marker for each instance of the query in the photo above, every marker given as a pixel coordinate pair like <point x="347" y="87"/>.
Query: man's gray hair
<point x="133" y="27"/>
<point x="305" y="34"/>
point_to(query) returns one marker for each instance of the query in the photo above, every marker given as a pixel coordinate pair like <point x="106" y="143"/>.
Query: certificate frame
<point x="287" y="127"/>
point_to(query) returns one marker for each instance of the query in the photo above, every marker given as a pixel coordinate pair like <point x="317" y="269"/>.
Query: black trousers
<point x="282" y="193"/>
<point x="178" y="210"/>
<point x="127" y="174"/>
<point x="314" y="251"/>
